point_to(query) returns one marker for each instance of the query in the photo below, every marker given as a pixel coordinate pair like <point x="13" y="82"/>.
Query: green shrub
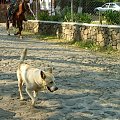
<point x="46" y="17"/>
<point x="82" y="17"/>
<point x="43" y="16"/>
<point x="65" y="11"/>
<point x="112" y="17"/>
<point x="30" y="17"/>
<point x="78" y="17"/>
<point x="56" y="17"/>
<point x="65" y="17"/>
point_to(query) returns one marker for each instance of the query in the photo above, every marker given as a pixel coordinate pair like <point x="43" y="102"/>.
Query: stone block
<point x="99" y="37"/>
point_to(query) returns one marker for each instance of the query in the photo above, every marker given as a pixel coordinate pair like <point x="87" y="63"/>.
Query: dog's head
<point x="49" y="80"/>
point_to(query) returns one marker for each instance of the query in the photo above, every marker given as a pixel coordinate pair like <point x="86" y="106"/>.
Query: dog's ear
<point x="43" y="76"/>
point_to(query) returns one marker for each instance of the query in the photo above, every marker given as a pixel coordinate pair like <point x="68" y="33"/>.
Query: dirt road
<point x="89" y="83"/>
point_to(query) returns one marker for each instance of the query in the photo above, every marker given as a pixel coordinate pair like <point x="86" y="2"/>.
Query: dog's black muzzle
<point x="52" y="89"/>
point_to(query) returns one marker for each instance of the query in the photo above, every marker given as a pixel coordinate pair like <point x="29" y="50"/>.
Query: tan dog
<point x="34" y="78"/>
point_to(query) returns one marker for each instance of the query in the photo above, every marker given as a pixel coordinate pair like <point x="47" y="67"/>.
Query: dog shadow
<point x="36" y="109"/>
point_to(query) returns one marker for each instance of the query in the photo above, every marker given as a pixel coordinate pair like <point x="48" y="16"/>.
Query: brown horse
<point x="18" y="18"/>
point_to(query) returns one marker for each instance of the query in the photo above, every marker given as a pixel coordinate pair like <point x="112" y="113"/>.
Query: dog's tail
<point x="23" y="55"/>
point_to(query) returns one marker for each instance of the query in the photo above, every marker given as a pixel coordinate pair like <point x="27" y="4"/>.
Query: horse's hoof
<point x="15" y="33"/>
<point x="25" y="20"/>
<point x="8" y="33"/>
<point x="21" y="37"/>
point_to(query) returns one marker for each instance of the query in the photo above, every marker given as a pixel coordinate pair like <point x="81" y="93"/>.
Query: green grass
<point x="45" y="37"/>
<point x="90" y="45"/>
<point x="86" y="44"/>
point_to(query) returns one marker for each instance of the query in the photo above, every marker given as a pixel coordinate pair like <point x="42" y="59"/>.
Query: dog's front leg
<point x="35" y="93"/>
<point x="29" y="92"/>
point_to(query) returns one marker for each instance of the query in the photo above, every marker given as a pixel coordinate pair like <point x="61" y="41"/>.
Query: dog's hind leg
<point x="30" y="93"/>
<point x="20" y="84"/>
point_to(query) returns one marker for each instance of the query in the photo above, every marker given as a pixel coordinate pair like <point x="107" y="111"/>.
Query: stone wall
<point x="103" y="35"/>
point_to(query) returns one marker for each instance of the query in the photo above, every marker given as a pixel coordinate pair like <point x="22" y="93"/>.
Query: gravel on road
<point x="88" y="82"/>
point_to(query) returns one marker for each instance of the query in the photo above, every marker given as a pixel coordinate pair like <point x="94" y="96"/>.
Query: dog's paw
<point x="23" y="103"/>
<point x="33" y="103"/>
<point x="22" y="98"/>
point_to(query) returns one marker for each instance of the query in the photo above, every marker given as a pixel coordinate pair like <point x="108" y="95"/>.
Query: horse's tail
<point x="23" y="55"/>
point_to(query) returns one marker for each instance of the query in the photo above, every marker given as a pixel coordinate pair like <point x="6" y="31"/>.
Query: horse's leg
<point x="19" y="25"/>
<point x="7" y="26"/>
<point x="17" y="33"/>
<point x="20" y="29"/>
<point x="14" y="22"/>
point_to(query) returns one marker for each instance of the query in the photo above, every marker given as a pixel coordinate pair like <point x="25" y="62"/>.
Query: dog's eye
<point x="51" y="82"/>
